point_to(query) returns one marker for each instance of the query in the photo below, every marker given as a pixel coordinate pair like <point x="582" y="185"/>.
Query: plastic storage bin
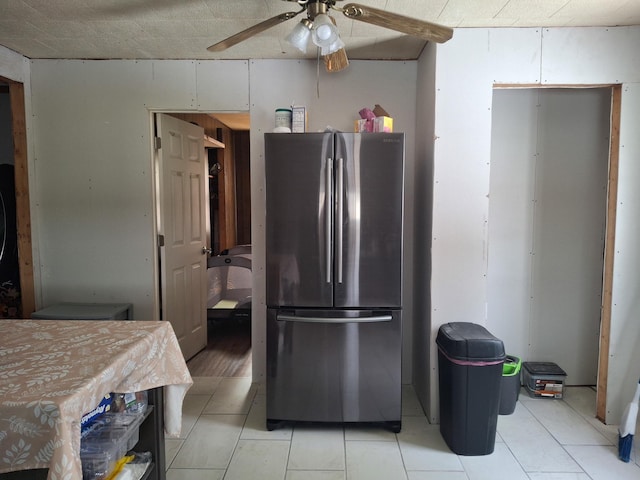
<point x="543" y="379"/>
<point x="470" y="373"/>
<point x="510" y="388"/>
<point x="106" y="441"/>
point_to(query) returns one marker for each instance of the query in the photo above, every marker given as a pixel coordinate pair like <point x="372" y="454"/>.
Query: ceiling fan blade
<point x="251" y="31"/>
<point x="411" y="26"/>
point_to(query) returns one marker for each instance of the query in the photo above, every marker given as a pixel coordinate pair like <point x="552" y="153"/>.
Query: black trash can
<point x="470" y="362"/>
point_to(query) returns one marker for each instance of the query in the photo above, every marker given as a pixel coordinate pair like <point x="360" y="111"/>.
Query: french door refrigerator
<point x="334" y="220"/>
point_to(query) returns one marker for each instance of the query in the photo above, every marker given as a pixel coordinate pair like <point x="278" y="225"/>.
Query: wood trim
<point x="227" y="193"/>
<point x="210" y="142"/>
<point x="609" y="255"/>
<point x="242" y="158"/>
<point x="23" y="210"/>
<point x="513" y="86"/>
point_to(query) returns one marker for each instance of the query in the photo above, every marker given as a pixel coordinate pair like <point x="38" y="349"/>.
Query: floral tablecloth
<point x="54" y="371"/>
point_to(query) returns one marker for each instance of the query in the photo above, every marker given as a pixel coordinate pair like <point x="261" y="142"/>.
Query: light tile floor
<point x="224" y="437"/>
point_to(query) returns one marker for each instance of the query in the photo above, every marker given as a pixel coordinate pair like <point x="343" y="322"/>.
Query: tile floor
<point x="224" y="437"/>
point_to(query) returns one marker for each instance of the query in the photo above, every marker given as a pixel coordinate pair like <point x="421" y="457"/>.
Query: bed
<point x="229" y="283"/>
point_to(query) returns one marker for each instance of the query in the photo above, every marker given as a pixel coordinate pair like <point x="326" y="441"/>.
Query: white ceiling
<point x="183" y="29"/>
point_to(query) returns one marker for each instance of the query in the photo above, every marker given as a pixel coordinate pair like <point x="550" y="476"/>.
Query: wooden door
<point x="183" y="227"/>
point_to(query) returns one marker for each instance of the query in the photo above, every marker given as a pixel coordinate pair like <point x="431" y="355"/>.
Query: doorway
<point x="550" y="216"/>
<point x="20" y="302"/>
<point x="228" y="349"/>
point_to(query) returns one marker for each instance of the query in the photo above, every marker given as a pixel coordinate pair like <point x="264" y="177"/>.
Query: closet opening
<point x="552" y="207"/>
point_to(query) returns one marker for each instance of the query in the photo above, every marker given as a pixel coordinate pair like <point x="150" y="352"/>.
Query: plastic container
<point x="510" y="388"/>
<point x="470" y="362"/>
<point x="543" y="379"/>
<point x="135" y="402"/>
<point x="283" y="120"/>
<point x="106" y="441"/>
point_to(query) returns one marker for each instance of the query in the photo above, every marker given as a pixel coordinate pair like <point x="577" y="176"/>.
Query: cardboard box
<point x="383" y="124"/>
<point x="298" y="119"/>
<point x="362" y="125"/>
<point x="378" y="111"/>
<point x="103" y="407"/>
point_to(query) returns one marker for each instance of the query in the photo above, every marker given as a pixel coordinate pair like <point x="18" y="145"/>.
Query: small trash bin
<point x="510" y="388"/>
<point x="470" y="362"/>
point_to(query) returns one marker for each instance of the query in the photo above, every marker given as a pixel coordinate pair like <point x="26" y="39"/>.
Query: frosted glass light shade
<point x="299" y="36"/>
<point x="334" y="47"/>
<point x="324" y="32"/>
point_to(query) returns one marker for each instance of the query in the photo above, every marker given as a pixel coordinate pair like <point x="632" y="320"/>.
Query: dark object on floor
<point x="627" y="427"/>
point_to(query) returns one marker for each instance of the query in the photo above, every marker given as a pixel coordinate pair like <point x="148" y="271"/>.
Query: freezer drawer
<point x="336" y="369"/>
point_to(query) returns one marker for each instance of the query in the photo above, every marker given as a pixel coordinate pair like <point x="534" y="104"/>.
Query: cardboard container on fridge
<point x="383" y="124"/>
<point x="298" y="119"/>
<point x="362" y="125"/>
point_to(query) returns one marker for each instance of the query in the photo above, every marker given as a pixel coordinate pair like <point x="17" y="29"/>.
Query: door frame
<point x="23" y="209"/>
<point x="610" y="234"/>
<point x="185" y="115"/>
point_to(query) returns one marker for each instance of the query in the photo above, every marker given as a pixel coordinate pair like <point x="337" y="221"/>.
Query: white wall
<point x="93" y="197"/>
<point x="14" y="66"/>
<point x="94" y="183"/>
<point x="624" y="354"/>
<point x="466" y="69"/>
<point x="423" y="368"/>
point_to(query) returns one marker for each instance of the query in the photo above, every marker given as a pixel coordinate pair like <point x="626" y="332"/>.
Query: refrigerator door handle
<point x="283" y="317"/>
<point x="340" y="205"/>
<point x="327" y="217"/>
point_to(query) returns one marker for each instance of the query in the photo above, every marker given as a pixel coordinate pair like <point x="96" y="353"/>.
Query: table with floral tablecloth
<point x="54" y="371"/>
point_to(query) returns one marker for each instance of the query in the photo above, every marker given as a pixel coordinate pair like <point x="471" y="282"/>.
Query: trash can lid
<point x="543" y="368"/>
<point x="469" y="342"/>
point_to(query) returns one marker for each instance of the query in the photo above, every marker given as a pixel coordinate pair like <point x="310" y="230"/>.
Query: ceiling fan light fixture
<point x="299" y="36"/>
<point x="324" y="32"/>
<point x="334" y="47"/>
<point x="336" y="61"/>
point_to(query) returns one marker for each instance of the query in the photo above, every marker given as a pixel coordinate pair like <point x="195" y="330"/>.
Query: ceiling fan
<point x="324" y="35"/>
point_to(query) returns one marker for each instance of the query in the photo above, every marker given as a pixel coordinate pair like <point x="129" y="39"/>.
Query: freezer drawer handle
<point x="283" y="317"/>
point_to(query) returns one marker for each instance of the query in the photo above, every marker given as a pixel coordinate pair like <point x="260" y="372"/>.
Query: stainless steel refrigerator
<point x="334" y="219"/>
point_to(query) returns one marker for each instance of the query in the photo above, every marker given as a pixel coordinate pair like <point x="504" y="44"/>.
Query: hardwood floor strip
<point x="228" y="351"/>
